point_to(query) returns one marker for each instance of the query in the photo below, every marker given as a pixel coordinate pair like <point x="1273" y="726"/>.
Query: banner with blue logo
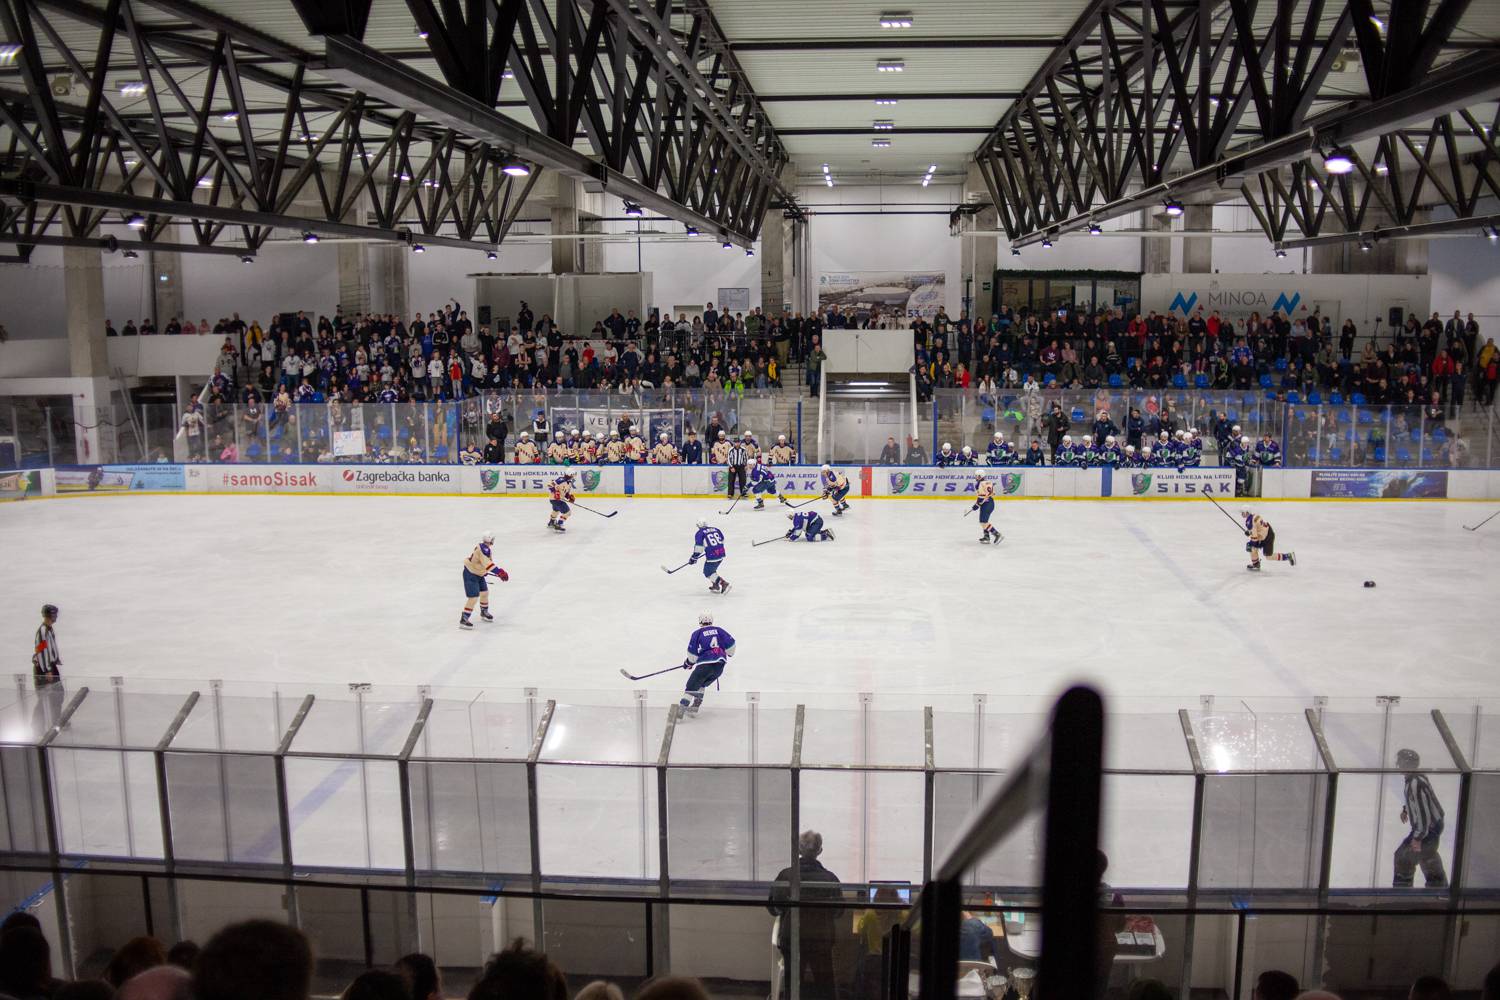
<point x="117" y="478"/>
<point x="1379" y="484"/>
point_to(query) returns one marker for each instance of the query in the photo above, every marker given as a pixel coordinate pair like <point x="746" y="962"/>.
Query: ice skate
<point x="760" y="503"/>
<point x="465" y="623"/>
<point x="1253" y="567"/>
<point x="827" y="535"/>
<point x="485" y="614"/>
<point x="984" y="539"/>
<point x="1291" y="558"/>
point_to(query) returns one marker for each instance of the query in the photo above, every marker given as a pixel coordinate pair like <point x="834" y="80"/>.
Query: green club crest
<point x="488" y="480"/>
<point x="590" y="480"/>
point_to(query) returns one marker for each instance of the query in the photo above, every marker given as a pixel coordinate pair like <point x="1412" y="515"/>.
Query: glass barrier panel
<point x="730" y="948"/>
<point x="728" y="824"/>
<point x="598" y="820"/>
<point x="1369" y="830"/>
<point x="223" y="808"/>
<point x="1146" y="829"/>
<point x="1482" y="848"/>
<point x="1262" y="831"/>
<point x="470" y="818"/>
<point x="224" y="719"/>
<point x="1272" y="943"/>
<point x="597" y="940"/>
<point x="871" y="822"/>
<point x="1478" y="944"/>
<point x="104" y="912"/>
<point x="23" y="825"/>
<point x="1381" y="954"/>
<point x="208" y="906"/>
<point x="106" y="802"/>
<point x="344" y="813"/>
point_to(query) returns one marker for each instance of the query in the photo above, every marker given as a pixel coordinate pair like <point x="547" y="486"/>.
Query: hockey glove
<point x="693" y="559"/>
<point x="504" y="576"/>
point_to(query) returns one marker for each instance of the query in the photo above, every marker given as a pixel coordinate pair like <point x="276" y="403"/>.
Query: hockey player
<point x="748" y="440"/>
<point x="479" y="565"/>
<point x="614" y="452"/>
<point x="763" y="482"/>
<point x="635" y="448"/>
<point x="984" y="502"/>
<point x="708" y="545"/>
<point x="1239" y="459"/>
<point x="1086" y="454"/>
<point x="719" y="453"/>
<point x="1262" y="539"/>
<point x="1131" y="460"/>
<point x="1000" y="451"/>
<point x="781" y="452"/>
<point x="1176" y="453"/>
<point x="1148" y="457"/>
<point x="835" y="485"/>
<point x="808" y="524"/>
<point x="1109" y="456"/>
<point x="664" y="453"/>
<point x="575" y="446"/>
<point x="708" y="649"/>
<point x="967" y="457"/>
<point x="557" y="451"/>
<point x="1267" y="452"/>
<point x="945" y="457"/>
<point x="526" y="450"/>
<point x="588" y="449"/>
<point x="1066" y="453"/>
<point x="561" y="490"/>
<point x="1195" y="447"/>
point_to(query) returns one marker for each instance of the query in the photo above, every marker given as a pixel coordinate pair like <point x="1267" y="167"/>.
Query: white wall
<point x="32" y="295"/>
<point x="1466" y="275"/>
<point x="284" y="278"/>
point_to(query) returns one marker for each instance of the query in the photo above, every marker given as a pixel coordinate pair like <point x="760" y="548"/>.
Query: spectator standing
<point x="818" y="925"/>
<point x="1424" y="813"/>
<point x="254" y="960"/>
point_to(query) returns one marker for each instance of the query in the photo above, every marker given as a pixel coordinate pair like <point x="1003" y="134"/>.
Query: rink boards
<point x="898" y="482"/>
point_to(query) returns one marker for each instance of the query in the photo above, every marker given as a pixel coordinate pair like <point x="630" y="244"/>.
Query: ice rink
<point x="1148" y="600"/>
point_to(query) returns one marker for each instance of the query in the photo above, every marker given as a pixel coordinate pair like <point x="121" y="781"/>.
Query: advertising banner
<point x="1167" y="484"/>
<point x="114" y="478"/>
<point x="533" y="480"/>
<point x="396" y="478"/>
<point x="958" y="482"/>
<point x="893" y="293"/>
<point x="20" y="485"/>
<point x="1380" y="484"/>
<point x="261" y="479"/>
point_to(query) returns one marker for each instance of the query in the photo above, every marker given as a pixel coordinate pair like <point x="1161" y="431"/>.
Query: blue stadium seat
<point x="1315" y="398"/>
<point x="1178" y="382"/>
<point x="1281" y="364"/>
<point x="1358" y="399"/>
<point x="1270" y="394"/>
<point x="440" y="453"/>
<point x="1266" y="382"/>
<point x="253" y="451"/>
<point x="1201" y="381"/>
<point x="1426" y="456"/>
<point x="1335" y="454"/>
<point x="1403" y="456"/>
<point x="1336" y="398"/>
<point x="1294" y="397"/>
<point x="1439" y="435"/>
<point x="1232" y="416"/>
<point x="1380" y="453"/>
<point x="987" y="416"/>
<point x="1116" y="382"/>
<point x="1366" y="417"/>
<point x="1048" y="378"/>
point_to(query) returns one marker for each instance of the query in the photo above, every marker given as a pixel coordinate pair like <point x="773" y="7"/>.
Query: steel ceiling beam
<point x="1416" y="231"/>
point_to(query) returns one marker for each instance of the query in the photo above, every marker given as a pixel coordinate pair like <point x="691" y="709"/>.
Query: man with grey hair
<point x="818" y="925"/>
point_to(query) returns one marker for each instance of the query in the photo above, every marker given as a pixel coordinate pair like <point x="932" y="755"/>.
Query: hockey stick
<point x="593" y="511"/>
<point x="669" y="572"/>
<point x="1483" y="523"/>
<point x="804" y="503"/>
<point x="654" y="673"/>
<point x="1226" y="513"/>
<point x="767" y="541"/>
<point x="732" y="502"/>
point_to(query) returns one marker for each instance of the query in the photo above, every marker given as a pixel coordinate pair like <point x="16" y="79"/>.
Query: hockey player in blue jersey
<point x="1239" y="459"/>
<point x="763" y="482"/>
<point x="1267" y="452"/>
<point x="836" y="487"/>
<point x="808" y="524"/>
<point x="1131" y="460"/>
<point x="1085" y="455"/>
<point x="1110" y="456"/>
<point x="1066" y="454"/>
<point x="1148" y="457"/>
<point x="1195" y="447"/>
<point x="945" y="457"/>
<point x="708" y="545"/>
<point x="707" y="650"/>
<point x="967" y="457"/>
<point x="1001" y="452"/>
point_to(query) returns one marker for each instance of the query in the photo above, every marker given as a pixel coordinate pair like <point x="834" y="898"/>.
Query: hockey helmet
<point x="1109" y="439"/>
<point x="663" y="436"/>
<point x="706" y="618"/>
<point x="49" y="610"/>
<point x="999" y="436"/>
<point x="1244" y="441"/>
<point x="968" y="450"/>
<point x="1067" y="439"/>
<point x="827" y="467"/>
<point x="488" y="538"/>
<point x="525" y="435"/>
<point x="702" y="523"/>
<point x="947" y="446"/>
<point x="1407" y="759"/>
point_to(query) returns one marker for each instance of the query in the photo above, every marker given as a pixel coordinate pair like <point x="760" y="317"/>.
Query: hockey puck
<point x="1369" y="583"/>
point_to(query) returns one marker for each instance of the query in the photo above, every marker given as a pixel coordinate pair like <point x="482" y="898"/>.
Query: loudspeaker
<point x="484" y="315"/>
<point x="1395" y="317"/>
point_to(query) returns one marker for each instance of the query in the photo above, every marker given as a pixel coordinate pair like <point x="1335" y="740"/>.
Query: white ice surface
<point x="1149" y="601"/>
<point x="1142" y="599"/>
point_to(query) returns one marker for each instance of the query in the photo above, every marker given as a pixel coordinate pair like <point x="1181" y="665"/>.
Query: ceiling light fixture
<point x="418" y="248"/>
<point x="404" y="176"/>
<point x="829" y="181"/>
<point x="825" y="168"/>
<point x="136" y="221"/>
<point x="491" y="255"/>
<point x="691" y="229"/>
<point x="421" y="33"/>
<point x="309" y="237"/>
<point x="633" y="210"/>
<point x="1365" y="246"/>
<point x="132" y="88"/>
<point x="1015" y="251"/>
<point x="1379" y="24"/>
<point x="896" y="20"/>
<point x="883" y="125"/>
<point x="726" y="244"/>
<point x="890" y="66"/>
<point x="749" y="252"/>
<point x="508" y="75"/>
<point x="1339" y="160"/>
<point x="230" y="116"/>
<point x="1280" y="252"/>
<point x="8" y="54"/>
<point x="1493" y="234"/>
<point x="1094" y="229"/>
<point x="131" y="255"/>
<point x="1381" y="169"/>
<point x="887" y="102"/>
<point x="926" y="180"/>
<point x="205" y="182"/>
<point x="513" y="167"/>
<point x="1046" y="243"/>
<point x="880" y="143"/>
<point x="1173" y="207"/>
<point x="246" y="259"/>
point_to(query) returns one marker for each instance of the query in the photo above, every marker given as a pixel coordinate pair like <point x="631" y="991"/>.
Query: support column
<point x="1198" y="251"/>
<point x="354" y="277"/>
<point x="165" y="268"/>
<point x="567" y="256"/>
<point x="981" y="255"/>
<point x="774" y="294"/>
<point x="1156" y="253"/>
<point x="88" y="351"/>
<point x="390" y="289"/>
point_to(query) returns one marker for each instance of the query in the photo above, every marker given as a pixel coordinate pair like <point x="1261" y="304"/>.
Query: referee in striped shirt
<point x="46" y="664"/>
<point x="738" y="459"/>
<point x="1423" y="811"/>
